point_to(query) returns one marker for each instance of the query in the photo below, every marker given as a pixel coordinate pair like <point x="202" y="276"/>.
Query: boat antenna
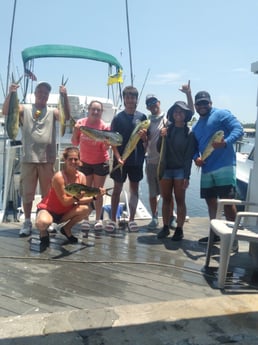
<point x="10" y="48"/>
<point x="129" y="42"/>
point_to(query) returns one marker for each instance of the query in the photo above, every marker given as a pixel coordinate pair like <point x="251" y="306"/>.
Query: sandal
<point x="85" y="225"/>
<point x="70" y="238"/>
<point x="111" y="226"/>
<point x="132" y="226"/>
<point x="98" y="226"/>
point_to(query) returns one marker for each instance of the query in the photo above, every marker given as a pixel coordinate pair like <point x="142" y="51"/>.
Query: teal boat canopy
<point x="68" y="51"/>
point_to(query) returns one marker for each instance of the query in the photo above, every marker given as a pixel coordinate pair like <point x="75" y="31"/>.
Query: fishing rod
<point x="146" y="77"/>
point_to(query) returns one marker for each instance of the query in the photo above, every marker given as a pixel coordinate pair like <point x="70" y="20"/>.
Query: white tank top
<point x="38" y="135"/>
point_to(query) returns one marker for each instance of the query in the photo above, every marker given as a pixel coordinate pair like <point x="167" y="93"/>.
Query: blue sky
<point x="212" y="43"/>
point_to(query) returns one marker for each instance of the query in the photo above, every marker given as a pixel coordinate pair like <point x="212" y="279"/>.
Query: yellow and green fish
<point x="13" y="117"/>
<point x="78" y="190"/>
<point x="133" y="141"/>
<point x="109" y="137"/>
<point x="61" y="107"/>
<point x="217" y="137"/>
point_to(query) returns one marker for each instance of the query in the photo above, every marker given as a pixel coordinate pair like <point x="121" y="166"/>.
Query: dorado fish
<point x="217" y="137"/>
<point x="162" y="155"/>
<point x="111" y="138"/>
<point x="133" y="141"/>
<point x="12" y="124"/>
<point x="61" y="107"/>
<point x="78" y="190"/>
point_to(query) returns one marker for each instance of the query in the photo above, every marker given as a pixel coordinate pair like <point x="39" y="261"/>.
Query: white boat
<point x="245" y="162"/>
<point x="79" y="105"/>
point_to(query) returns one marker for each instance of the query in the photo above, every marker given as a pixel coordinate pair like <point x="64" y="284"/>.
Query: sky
<point x="210" y="43"/>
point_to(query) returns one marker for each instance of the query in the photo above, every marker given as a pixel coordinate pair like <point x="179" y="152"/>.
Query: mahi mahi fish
<point x="111" y="138"/>
<point x="133" y="141"/>
<point x="217" y="137"/>
<point x="12" y="124"/>
<point x="61" y="107"/>
<point x="78" y="189"/>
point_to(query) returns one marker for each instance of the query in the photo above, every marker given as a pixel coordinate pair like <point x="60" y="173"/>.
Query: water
<point x="196" y="207"/>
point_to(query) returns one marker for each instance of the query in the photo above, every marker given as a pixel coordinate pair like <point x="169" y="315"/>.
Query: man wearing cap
<point x="38" y="129"/>
<point x="158" y="121"/>
<point x="218" y="177"/>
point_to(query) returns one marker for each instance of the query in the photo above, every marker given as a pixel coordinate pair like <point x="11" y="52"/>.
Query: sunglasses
<point x="202" y="103"/>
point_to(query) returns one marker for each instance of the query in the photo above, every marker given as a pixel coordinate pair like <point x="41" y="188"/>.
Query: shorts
<point x="152" y="179"/>
<point x="219" y="183"/>
<point x="56" y="217"/>
<point x="31" y="173"/>
<point x="134" y="173"/>
<point x="101" y="169"/>
<point x="173" y="174"/>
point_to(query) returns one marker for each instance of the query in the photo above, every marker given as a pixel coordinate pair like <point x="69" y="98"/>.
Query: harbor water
<point x="196" y="207"/>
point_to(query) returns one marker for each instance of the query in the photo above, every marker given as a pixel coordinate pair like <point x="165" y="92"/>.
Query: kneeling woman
<point x="59" y="207"/>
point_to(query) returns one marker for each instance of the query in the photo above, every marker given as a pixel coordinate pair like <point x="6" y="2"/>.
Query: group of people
<point x="168" y="145"/>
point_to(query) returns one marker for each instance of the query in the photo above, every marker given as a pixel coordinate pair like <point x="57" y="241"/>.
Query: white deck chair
<point x="244" y="228"/>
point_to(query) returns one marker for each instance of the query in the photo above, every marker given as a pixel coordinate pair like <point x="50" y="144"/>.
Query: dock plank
<point x="104" y="270"/>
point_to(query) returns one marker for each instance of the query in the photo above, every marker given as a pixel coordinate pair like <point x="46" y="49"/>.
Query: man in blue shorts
<point x="124" y="123"/>
<point x="218" y="176"/>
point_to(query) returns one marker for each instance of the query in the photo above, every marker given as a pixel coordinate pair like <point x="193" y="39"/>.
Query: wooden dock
<point x="106" y="270"/>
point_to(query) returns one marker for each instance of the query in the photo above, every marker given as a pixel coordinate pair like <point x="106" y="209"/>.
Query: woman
<point x="179" y="147"/>
<point x="94" y="155"/>
<point x="59" y="207"/>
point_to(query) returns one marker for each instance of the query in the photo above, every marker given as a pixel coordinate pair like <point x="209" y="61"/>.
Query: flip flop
<point x="132" y="226"/>
<point x="98" y="226"/>
<point x="111" y="226"/>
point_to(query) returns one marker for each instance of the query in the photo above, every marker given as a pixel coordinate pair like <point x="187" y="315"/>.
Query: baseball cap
<point x="151" y="100"/>
<point x="44" y="83"/>
<point x="202" y="96"/>
<point x="183" y="106"/>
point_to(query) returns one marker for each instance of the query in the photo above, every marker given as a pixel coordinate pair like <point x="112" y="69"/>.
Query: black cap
<point x="183" y="106"/>
<point x="202" y="96"/>
<point x="151" y="100"/>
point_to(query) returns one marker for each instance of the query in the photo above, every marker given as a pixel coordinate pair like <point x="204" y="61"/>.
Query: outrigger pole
<point x="6" y="93"/>
<point x="129" y="43"/>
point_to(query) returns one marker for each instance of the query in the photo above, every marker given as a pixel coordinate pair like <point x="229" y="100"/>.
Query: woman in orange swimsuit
<point x="59" y="207"/>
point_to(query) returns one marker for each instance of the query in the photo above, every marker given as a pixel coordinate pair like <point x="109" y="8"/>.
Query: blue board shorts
<point x="219" y="183"/>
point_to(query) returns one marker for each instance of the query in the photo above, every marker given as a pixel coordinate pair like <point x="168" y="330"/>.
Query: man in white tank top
<point x="38" y="127"/>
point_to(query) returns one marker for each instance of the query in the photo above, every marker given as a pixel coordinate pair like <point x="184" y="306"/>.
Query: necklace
<point x="37" y="114"/>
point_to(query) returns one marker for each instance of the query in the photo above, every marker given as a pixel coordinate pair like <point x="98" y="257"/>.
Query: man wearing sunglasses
<point x="218" y="174"/>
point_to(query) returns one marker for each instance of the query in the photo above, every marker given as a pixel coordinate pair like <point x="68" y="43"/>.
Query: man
<point x="39" y="145"/>
<point x="132" y="167"/>
<point x="218" y="176"/>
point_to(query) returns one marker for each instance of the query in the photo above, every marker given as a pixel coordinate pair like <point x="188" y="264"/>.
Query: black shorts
<point x="134" y="173"/>
<point x="101" y="169"/>
<point x="56" y="217"/>
<point x="222" y="192"/>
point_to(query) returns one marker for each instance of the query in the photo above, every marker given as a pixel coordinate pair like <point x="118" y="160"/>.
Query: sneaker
<point x="163" y="233"/>
<point x="153" y="224"/>
<point x="178" y="235"/>
<point x="204" y="240"/>
<point x="25" y="229"/>
<point x="44" y="243"/>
